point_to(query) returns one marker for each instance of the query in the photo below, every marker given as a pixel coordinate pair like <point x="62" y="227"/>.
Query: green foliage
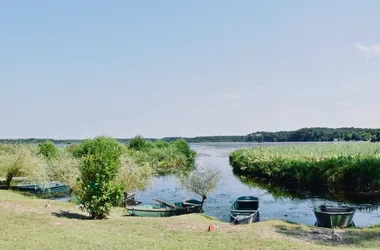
<point x="21" y="161"/>
<point x="355" y="165"/>
<point x="164" y="157"/>
<point x="137" y="143"/>
<point x="183" y="147"/>
<point x="98" y="188"/>
<point x="64" y="168"/>
<point x="48" y="149"/>
<point x="161" y="144"/>
<point x="134" y="177"/>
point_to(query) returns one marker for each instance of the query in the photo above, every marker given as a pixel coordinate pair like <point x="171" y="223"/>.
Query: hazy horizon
<point x="76" y="70"/>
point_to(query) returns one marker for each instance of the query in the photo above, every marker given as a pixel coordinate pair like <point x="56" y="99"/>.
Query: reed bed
<point x="353" y="165"/>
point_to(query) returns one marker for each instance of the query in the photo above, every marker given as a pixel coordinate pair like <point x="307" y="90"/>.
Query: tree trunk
<point x="8" y="181"/>
<point x="204" y="197"/>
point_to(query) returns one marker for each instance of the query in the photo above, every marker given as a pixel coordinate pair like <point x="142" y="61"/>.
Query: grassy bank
<point x="29" y="223"/>
<point x="355" y="165"/>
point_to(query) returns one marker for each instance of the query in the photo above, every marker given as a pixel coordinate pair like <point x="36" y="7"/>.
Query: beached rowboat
<point x="245" y="210"/>
<point x="50" y="189"/>
<point x="165" y="209"/>
<point x="334" y="216"/>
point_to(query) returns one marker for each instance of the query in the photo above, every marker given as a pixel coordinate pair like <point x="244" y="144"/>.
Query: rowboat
<point x="334" y="216"/>
<point x="165" y="209"/>
<point x="245" y="210"/>
<point x="50" y="189"/>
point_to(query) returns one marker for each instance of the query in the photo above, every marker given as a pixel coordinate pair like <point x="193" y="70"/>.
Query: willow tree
<point x="21" y="161"/>
<point x="202" y="181"/>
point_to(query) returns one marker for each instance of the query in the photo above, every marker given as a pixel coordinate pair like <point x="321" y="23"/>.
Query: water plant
<point x="354" y="165"/>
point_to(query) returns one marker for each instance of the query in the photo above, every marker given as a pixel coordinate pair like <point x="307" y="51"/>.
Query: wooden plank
<point x="165" y="203"/>
<point x="243" y="211"/>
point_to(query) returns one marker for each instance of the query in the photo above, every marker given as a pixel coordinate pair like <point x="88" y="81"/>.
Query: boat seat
<point x="248" y="205"/>
<point x="178" y="204"/>
<point x="243" y="211"/>
<point x="129" y="199"/>
<point x="336" y="209"/>
<point x="190" y="204"/>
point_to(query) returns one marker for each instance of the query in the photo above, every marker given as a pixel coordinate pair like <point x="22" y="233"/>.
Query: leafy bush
<point x="137" y="143"/>
<point x="48" y="149"/>
<point x="161" y="144"/>
<point x="98" y="188"/>
<point x="183" y="147"/>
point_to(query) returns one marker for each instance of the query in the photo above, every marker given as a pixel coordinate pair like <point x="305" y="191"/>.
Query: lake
<point x="230" y="187"/>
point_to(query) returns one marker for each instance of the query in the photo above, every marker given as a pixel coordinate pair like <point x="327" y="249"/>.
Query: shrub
<point x="134" y="177"/>
<point x="48" y="149"/>
<point x="161" y="144"/>
<point x="137" y="143"/>
<point x="98" y="171"/>
<point x="64" y="168"/>
<point x="183" y="147"/>
<point x="202" y="181"/>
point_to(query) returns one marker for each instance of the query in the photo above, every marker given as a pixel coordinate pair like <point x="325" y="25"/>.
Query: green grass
<point x="27" y="223"/>
<point x="355" y="165"/>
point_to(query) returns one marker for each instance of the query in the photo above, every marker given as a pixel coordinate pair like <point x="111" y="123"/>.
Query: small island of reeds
<point x="350" y="165"/>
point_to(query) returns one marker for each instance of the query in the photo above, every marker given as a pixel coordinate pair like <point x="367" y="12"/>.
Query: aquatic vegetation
<point x="162" y="156"/>
<point x="64" y="168"/>
<point x="355" y="165"/>
<point x="134" y="177"/>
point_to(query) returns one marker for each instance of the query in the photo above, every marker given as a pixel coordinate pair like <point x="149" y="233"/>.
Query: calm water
<point x="230" y="187"/>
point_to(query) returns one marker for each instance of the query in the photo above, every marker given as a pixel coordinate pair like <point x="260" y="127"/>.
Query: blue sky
<point x="78" y="69"/>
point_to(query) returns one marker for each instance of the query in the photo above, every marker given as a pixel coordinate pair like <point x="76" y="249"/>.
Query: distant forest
<point x="317" y="134"/>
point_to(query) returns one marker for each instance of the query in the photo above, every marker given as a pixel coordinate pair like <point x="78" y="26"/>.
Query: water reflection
<point x="361" y="201"/>
<point x="275" y="202"/>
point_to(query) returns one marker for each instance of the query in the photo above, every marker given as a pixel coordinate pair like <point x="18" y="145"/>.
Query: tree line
<point x="316" y="134"/>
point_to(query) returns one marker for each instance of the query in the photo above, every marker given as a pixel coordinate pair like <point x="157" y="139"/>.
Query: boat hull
<point x="245" y="219"/>
<point x="162" y="210"/>
<point x="339" y="219"/>
<point x="245" y="210"/>
<point x="52" y="189"/>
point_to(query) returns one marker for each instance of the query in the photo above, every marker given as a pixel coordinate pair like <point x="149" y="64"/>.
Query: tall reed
<point x="355" y="165"/>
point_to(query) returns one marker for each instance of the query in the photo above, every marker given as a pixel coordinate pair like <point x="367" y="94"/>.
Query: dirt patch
<point x="312" y="235"/>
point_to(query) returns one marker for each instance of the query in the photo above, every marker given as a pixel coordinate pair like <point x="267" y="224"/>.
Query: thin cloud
<point x="369" y="51"/>
<point x="231" y="95"/>
<point x="342" y="104"/>
<point x="350" y="86"/>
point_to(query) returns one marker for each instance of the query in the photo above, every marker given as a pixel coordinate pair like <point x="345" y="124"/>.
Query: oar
<point x="165" y="203"/>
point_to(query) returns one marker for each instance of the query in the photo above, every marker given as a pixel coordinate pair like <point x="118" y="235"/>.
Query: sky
<point x="80" y="69"/>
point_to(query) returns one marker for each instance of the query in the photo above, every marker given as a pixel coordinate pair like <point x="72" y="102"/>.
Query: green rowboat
<point x="245" y="210"/>
<point x="164" y="209"/>
<point x="330" y="216"/>
<point x="50" y="189"/>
